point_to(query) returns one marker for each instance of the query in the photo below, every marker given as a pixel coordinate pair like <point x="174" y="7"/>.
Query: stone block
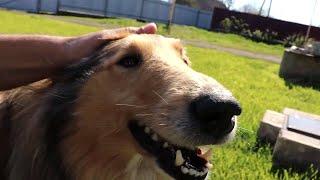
<point x="296" y="150"/>
<point x="300" y="67"/>
<point x="270" y="126"/>
<point x="289" y="111"/>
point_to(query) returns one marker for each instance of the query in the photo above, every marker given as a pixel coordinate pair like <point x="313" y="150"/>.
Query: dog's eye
<point x="129" y="61"/>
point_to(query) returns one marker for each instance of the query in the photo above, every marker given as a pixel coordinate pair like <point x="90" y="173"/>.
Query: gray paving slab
<point x="296" y="150"/>
<point x="290" y="111"/>
<point x="270" y="126"/>
<point x="304" y="125"/>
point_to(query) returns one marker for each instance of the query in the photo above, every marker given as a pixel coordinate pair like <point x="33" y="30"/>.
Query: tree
<point x="228" y="3"/>
<point x="261" y="8"/>
<point x="248" y="8"/>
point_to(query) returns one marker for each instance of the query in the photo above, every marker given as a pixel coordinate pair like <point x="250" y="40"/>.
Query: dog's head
<point x="145" y="108"/>
<point x="133" y="110"/>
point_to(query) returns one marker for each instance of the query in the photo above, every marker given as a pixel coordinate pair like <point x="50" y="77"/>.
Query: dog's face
<point x="145" y="111"/>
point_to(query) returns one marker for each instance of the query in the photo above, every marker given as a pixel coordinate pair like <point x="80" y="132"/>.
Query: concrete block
<point x="296" y="150"/>
<point x="270" y="126"/>
<point x="300" y="67"/>
<point x="289" y="111"/>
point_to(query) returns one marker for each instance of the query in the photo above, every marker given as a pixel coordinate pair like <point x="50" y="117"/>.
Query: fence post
<point x="141" y="9"/>
<point x="58" y="6"/>
<point x="171" y="14"/>
<point x="197" y="18"/>
<point x="106" y="8"/>
<point x="38" y="6"/>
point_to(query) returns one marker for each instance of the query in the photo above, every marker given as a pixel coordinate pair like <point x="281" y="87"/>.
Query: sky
<point x="299" y="11"/>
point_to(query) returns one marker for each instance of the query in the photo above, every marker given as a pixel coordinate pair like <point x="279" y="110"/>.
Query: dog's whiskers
<point x="16" y="103"/>
<point x="131" y="105"/>
<point x="56" y="95"/>
<point x="162" y="124"/>
<point x="48" y="61"/>
<point x="160" y="96"/>
<point x="76" y="113"/>
<point x="144" y="114"/>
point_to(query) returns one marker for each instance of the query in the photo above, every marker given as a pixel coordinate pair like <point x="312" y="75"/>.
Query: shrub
<point x="226" y="25"/>
<point x="233" y="24"/>
<point x="239" y="26"/>
<point x="270" y="36"/>
<point x="246" y="33"/>
<point x="298" y="40"/>
<point x="257" y="35"/>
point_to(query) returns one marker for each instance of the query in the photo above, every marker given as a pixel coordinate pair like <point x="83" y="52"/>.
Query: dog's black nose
<point x="215" y="114"/>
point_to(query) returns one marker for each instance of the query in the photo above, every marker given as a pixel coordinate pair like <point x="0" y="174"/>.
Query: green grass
<point x="257" y="86"/>
<point x="30" y="23"/>
<point x="13" y="23"/>
<point x="255" y="83"/>
<point x="192" y="33"/>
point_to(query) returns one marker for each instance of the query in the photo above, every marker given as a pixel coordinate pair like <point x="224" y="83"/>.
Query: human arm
<point x="29" y="58"/>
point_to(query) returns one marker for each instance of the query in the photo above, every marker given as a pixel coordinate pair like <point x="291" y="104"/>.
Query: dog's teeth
<point x="147" y="130"/>
<point x="179" y="159"/>
<point x="165" y="145"/>
<point x="192" y="172"/>
<point x="154" y="137"/>
<point x="184" y="170"/>
<point x="209" y="165"/>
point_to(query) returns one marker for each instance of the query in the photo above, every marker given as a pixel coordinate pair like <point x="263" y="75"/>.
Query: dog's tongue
<point x="205" y="153"/>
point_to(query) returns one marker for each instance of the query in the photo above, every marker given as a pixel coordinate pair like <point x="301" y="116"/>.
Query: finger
<point x="150" y="28"/>
<point x="115" y="34"/>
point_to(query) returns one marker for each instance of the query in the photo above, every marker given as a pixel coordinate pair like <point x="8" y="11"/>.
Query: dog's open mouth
<point x="178" y="162"/>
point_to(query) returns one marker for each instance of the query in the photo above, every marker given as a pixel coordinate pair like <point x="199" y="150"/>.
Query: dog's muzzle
<point x="179" y="162"/>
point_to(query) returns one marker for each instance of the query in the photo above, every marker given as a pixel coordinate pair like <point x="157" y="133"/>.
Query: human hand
<point x="78" y="47"/>
<point x="28" y="58"/>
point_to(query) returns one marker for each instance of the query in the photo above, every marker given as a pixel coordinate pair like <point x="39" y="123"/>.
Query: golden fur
<point x="98" y="144"/>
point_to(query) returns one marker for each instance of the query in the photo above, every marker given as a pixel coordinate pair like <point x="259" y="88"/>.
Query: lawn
<point x="193" y="33"/>
<point x="13" y="22"/>
<point x="255" y="83"/>
<point x="189" y="33"/>
<point x="177" y="31"/>
<point x="257" y="86"/>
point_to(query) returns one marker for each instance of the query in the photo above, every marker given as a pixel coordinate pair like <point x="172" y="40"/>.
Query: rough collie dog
<point x="133" y="110"/>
